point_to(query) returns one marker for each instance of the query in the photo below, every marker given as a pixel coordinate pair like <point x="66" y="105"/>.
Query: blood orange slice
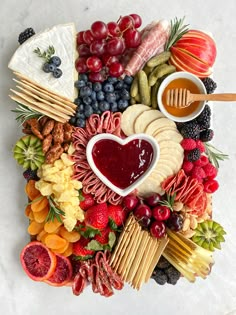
<point x="63" y="272"/>
<point x="38" y="261"/>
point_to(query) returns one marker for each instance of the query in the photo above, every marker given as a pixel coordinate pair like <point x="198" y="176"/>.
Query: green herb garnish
<point x="169" y="202"/>
<point x="54" y="211"/>
<point x="24" y="113"/>
<point x="177" y="30"/>
<point x="46" y="55"/>
<point x="214" y="154"/>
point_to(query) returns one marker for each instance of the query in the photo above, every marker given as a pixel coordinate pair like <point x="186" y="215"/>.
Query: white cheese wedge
<point x="27" y="63"/>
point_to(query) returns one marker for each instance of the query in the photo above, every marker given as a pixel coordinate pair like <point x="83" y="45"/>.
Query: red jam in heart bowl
<point x="122" y="164"/>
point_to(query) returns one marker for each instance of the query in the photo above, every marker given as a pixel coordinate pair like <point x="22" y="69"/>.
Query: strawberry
<point x="104" y="237"/>
<point x="97" y="216"/>
<point x="79" y="249"/>
<point x="117" y="214"/>
<point x="87" y="201"/>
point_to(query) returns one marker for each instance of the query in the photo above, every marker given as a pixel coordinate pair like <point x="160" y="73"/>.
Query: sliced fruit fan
<point x="71" y="87"/>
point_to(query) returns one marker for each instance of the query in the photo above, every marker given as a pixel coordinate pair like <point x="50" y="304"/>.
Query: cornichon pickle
<point x="154" y="91"/>
<point x="132" y="101"/>
<point x="134" y="87"/>
<point x="147" y="69"/>
<point x="159" y="72"/>
<point x="159" y="59"/>
<point x="144" y="89"/>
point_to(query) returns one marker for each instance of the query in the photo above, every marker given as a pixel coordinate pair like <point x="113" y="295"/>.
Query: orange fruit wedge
<point x="38" y="261"/>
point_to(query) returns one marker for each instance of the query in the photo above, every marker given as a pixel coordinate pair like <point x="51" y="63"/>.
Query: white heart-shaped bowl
<point x="108" y="183"/>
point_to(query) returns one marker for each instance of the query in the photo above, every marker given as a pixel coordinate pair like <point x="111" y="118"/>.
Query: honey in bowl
<point x="184" y="84"/>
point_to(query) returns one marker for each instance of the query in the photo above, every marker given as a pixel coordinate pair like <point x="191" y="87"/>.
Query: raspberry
<point x="187" y="167"/>
<point x="202" y="161"/>
<point x="188" y="144"/>
<point x="210" y="186"/>
<point x="206" y="135"/>
<point x="194" y="155"/>
<point x="198" y="172"/>
<point x="210" y="170"/>
<point x="200" y="146"/>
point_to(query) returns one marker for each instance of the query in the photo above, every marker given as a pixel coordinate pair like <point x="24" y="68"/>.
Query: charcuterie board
<point x="118" y="192"/>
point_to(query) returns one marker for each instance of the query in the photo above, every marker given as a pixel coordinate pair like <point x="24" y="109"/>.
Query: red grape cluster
<point x="101" y="48"/>
<point x="152" y="214"/>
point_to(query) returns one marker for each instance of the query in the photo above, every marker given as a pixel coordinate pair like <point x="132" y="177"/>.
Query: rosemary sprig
<point x="46" y="55"/>
<point x="177" y="30"/>
<point x="214" y="154"/>
<point x="54" y="211"/>
<point x="24" y="113"/>
<point x="169" y="202"/>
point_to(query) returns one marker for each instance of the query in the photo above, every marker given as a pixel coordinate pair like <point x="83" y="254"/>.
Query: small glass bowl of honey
<point x="184" y="80"/>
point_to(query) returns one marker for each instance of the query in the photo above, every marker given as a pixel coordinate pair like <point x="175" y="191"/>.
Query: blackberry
<point x="172" y="274"/>
<point x="29" y="174"/>
<point x="204" y="119"/>
<point x="206" y="135"/>
<point x="163" y="263"/>
<point x="210" y="85"/>
<point x="159" y="276"/>
<point x="25" y="35"/>
<point x="190" y="130"/>
<point x="194" y="155"/>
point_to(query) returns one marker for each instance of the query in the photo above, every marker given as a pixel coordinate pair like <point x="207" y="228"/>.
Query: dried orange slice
<point x="38" y="261"/>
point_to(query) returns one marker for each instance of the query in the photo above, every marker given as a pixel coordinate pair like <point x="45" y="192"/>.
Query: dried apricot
<point x="52" y="226"/>
<point x="35" y="228"/>
<point x="31" y="191"/>
<point x="41" y="215"/>
<point x="71" y="237"/>
<point x="41" y="235"/>
<point x="27" y="210"/>
<point x="61" y="249"/>
<point x="54" y="241"/>
<point x="39" y="204"/>
<point x="68" y="251"/>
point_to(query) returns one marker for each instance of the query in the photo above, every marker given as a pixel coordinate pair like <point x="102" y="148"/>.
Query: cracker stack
<point x="34" y="96"/>
<point x="136" y="254"/>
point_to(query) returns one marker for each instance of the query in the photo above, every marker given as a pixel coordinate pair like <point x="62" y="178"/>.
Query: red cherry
<point x="113" y="29"/>
<point x="80" y="39"/>
<point x="108" y="60"/>
<point x="116" y="69"/>
<point x="130" y="202"/>
<point x="142" y="211"/>
<point x="80" y="65"/>
<point x="115" y="46"/>
<point x="99" y="30"/>
<point x="94" y="64"/>
<point x="153" y="200"/>
<point x="158" y="229"/>
<point x="88" y="37"/>
<point x="132" y="38"/>
<point x="126" y="22"/>
<point x="137" y="20"/>
<point x="97" y="47"/>
<point x="161" y="213"/>
<point x="145" y="222"/>
<point x="84" y="50"/>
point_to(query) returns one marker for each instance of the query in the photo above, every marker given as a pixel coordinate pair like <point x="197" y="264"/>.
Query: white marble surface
<point x="18" y="294"/>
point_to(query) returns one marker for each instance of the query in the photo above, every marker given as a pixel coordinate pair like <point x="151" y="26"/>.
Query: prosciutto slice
<point x="154" y="37"/>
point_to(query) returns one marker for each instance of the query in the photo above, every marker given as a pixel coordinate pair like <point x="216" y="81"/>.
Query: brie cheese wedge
<point x="28" y="64"/>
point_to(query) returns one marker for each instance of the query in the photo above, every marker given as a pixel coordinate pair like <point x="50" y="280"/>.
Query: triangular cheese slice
<point x="27" y="63"/>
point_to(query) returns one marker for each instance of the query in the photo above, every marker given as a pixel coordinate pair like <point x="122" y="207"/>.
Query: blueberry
<point x="88" y="111"/>
<point x="81" y="108"/>
<point x="124" y="94"/>
<point x="94" y="105"/>
<point x="123" y="104"/>
<point x="97" y="111"/>
<point x="117" y="94"/>
<point x="97" y="86"/>
<point x="126" y="86"/>
<point x="93" y="96"/>
<point x="79" y="84"/>
<point x="87" y="100"/>
<point x="113" y="107"/>
<point x="128" y="79"/>
<point x="72" y="120"/>
<point x="90" y="85"/>
<point x="46" y="67"/>
<point x="110" y="97"/>
<point x="108" y="87"/>
<point x="57" y="73"/>
<point x="104" y="106"/>
<point x="78" y="101"/>
<point x="82" y="116"/>
<point x="85" y="91"/>
<point x="119" y="85"/>
<point x="55" y="60"/>
<point x="112" y="80"/>
<point x="77" y="115"/>
<point x="100" y="96"/>
<point x="83" y="77"/>
<point x="80" y="122"/>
